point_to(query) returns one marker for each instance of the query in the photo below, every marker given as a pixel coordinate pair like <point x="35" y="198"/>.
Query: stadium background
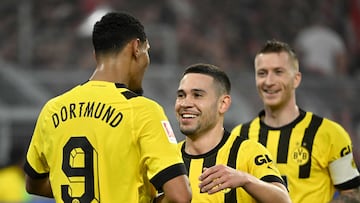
<point x="45" y="49"/>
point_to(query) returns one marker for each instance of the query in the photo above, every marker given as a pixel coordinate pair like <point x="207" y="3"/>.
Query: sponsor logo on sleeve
<point x="169" y="131"/>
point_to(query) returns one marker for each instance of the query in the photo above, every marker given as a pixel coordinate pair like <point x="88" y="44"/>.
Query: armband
<point x="343" y="169"/>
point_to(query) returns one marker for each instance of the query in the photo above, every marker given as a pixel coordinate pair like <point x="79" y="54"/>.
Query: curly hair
<point x="114" y="30"/>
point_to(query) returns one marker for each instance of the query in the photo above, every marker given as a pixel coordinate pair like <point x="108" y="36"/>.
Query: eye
<point x="180" y="95"/>
<point x="279" y="71"/>
<point x="261" y="73"/>
<point x="197" y="94"/>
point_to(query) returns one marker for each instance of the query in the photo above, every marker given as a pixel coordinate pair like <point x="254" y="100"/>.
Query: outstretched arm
<point x="221" y="177"/>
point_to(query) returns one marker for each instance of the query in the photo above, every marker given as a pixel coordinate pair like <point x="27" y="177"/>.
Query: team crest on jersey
<point x="301" y="155"/>
<point x="169" y="131"/>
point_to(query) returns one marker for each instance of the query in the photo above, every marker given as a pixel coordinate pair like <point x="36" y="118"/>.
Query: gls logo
<point x="262" y="159"/>
<point x="344" y="151"/>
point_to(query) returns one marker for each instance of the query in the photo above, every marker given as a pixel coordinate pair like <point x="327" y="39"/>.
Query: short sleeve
<point x="36" y="165"/>
<point x="260" y="162"/>
<point x="342" y="167"/>
<point x="158" y="145"/>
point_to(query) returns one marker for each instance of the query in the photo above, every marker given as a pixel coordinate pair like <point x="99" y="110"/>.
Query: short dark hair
<point x="114" y="30"/>
<point x="213" y="71"/>
<point x="276" y="46"/>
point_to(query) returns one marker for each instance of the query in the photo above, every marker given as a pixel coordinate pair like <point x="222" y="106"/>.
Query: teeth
<point x="270" y="92"/>
<point x="188" y="116"/>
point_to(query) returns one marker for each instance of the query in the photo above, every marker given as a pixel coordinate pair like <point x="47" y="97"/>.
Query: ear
<point x="136" y="47"/>
<point x="225" y="103"/>
<point x="297" y="79"/>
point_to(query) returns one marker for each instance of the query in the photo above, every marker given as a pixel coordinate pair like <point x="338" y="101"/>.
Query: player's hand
<point x="221" y="178"/>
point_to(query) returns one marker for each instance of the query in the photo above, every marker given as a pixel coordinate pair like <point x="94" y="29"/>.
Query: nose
<point x="185" y="102"/>
<point x="269" y="80"/>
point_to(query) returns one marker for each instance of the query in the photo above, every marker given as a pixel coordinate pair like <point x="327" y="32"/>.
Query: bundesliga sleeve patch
<point x="169" y="131"/>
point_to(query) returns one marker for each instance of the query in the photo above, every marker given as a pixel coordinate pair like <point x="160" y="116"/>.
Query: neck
<point x="113" y="68"/>
<point x="280" y="117"/>
<point x="204" y="142"/>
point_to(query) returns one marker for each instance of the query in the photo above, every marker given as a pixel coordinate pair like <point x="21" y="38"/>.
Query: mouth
<point x="270" y="92"/>
<point x="188" y="116"/>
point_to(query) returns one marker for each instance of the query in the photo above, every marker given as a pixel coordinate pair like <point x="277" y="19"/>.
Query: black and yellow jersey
<point x="101" y="142"/>
<point x="245" y="155"/>
<point x="313" y="154"/>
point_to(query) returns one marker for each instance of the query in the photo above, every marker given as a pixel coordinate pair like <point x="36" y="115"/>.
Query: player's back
<point x="95" y="137"/>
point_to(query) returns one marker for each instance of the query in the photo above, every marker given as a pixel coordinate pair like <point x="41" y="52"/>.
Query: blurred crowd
<point x="53" y="34"/>
<point x="225" y="33"/>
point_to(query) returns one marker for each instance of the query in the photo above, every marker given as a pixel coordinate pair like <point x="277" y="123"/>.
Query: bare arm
<point x="348" y="196"/>
<point x="221" y="177"/>
<point x="40" y="187"/>
<point x="176" y="190"/>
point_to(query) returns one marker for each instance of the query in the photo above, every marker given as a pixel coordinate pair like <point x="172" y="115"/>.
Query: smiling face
<point x="198" y="105"/>
<point x="276" y="79"/>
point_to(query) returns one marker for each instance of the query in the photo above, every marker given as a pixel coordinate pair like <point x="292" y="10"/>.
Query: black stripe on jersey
<point x="283" y="145"/>
<point x="210" y="157"/>
<point x="129" y="94"/>
<point x="244" y="131"/>
<point x="263" y="135"/>
<point x="167" y="174"/>
<point x="32" y="173"/>
<point x="353" y="183"/>
<point x="210" y="160"/>
<point x="230" y="197"/>
<point x="308" y="141"/>
<point x="187" y="162"/>
<point x="234" y="151"/>
<point x="272" y="178"/>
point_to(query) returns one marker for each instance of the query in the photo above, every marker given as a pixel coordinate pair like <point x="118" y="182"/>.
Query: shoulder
<point x="147" y="104"/>
<point x="238" y="127"/>
<point x="252" y="145"/>
<point x="327" y="125"/>
<point x="328" y="131"/>
<point x="254" y="152"/>
<point x="331" y="125"/>
<point x="140" y="102"/>
<point x="246" y="146"/>
<point x="61" y="98"/>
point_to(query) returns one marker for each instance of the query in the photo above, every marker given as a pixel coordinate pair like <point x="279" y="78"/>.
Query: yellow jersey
<point x="101" y="142"/>
<point x="245" y="155"/>
<point x="313" y="154"/>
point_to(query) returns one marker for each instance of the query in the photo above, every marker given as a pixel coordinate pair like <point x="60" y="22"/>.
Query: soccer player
<point x="313" y="154"/>
<point x="102" y="141"/>
<point x="222" y="168"/>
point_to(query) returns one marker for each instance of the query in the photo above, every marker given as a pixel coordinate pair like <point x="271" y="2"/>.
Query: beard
<point x="189" y="131"/>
